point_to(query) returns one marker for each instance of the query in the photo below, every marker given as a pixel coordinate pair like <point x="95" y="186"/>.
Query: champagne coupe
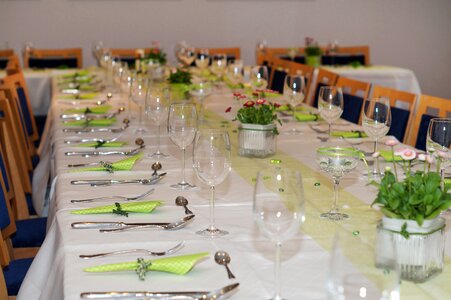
<point x="202" y="59"/>
<point x="212" y="164"/>
<point x="188" y="56"/>
<point x="200" y="91"/>
<point x="357" y="271"/>
<point x="438" y="143"/>
<point x="157" y="107"/>
<point x="182" y="127"/>
<point x="138" y="91"/>
<point x="336" y="162"/>
<point x="293" y="91"/>
<point x="330" y="104"/>
<point x="219" y="64"/>
<point x="259" y="77"/>
<point x="376" y="123"/>
<point x="235" y="73"/>
<point x="279" y="208"/>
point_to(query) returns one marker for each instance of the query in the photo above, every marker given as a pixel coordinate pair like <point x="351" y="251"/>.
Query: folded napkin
<point x="130" y="207"/>
<point x="76" y="74"/>
<point x="125" y="164"/>
<point x="94" y="122"/>
<point x="179" y="265"/>
<point x="287" y="108"/>
<point x="101" y="109"/>
<point x="305" y="117"/>
<point x="349" y="134"/>
<point x="101" y="145"/>
<point x="86" y="96"/>
<point x="387" y="156"/>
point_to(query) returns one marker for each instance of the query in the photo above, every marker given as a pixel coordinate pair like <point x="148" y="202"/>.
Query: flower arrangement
<point x="311" y="47"/>
<point x="418" y="196"/>
<point x="180" y="76"/>
<point x="156" y="54"/>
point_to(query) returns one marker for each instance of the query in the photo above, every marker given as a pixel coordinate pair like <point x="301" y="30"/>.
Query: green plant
<point x="259" y="112"/>
<point x="418" y="197"/>
<point x="311" y="47"/>
<point x="157" y="55"/>
<point x="180" y="76"/>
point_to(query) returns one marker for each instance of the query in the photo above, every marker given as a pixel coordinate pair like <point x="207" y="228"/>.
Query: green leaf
<point x="419" y="219"/>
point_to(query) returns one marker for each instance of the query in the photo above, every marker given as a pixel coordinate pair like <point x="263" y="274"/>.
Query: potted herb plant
<point x="153" y="63"/>
<point x="180" y="82"/>
<point x="312" y="52"/>
<point x="411" y="210"/>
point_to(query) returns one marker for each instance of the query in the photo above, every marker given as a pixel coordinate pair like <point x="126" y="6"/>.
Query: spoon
<point x="109" y="96"/>
<point x="139" y="141"/>
<point x="155" y="167"/>
<point x="223" y="258"/>
<point x="120" y="109"/>
<point x="182" y="201"/>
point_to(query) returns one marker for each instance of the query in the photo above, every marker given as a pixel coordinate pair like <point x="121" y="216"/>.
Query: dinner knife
<point x="88" y="130"/>
<point x="199" y="295"/>
<point x="103" y="225"/>
<point x="100" y="182"/>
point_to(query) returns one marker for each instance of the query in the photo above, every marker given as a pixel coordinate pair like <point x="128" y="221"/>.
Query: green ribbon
<point x="102" y="145"/>
<point x="130" y="207"/>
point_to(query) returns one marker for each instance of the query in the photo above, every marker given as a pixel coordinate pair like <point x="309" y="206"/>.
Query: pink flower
<point x="375" y="154"/>
<point x="408" y="154"/>
<point x="421" y="157"/>
<point x="261" y="101"/>
<point x="243" y="97"/>
<point x="236" y="95"/>
<point x="276" y="105"/>
<point x="228" y="109"/>
<point x="391" y="142"/>
<point x="249" y="103"/>
<point x="155" y="44"/>
<point x="429" y="159"/>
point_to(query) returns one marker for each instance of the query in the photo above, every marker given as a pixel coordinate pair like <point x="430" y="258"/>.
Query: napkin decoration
<point x="129" y="207"/>
<point x="101" y="109"/>
<point x="86" y="96"/>
<point x="349" y="134"/>
<point x="121" y="165"/>
<point x="306" y="117"/>
<point x="93" y="122"/>
<point x="80" y="73"/>
<point x="388" y="156"/>
<point x="102" y="144"/>
<point x="287" y="108"/>
<point x="179" y="265"/>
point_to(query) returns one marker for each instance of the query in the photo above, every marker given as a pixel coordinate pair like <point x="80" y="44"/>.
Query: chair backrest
<point x="7" y="221"/>
<point x="233" y="53"/>
<point x="347" y="55"/>
<point x="279" y="70"/>
<point x="354" y="94"/>
<point x="53" y="58"/>
<point x="262" y="56"/>
<point x="324" y="78"/>
<point x="4" y="57"/>
<point x="13" y="65"/>
<point x="402" y="106"/>
<point x="128" y="55"/>
<point x="3" y="290"/>
<point x="430" y="107"/>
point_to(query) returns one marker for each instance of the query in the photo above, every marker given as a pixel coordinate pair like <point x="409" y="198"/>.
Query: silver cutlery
<point x="92" y="140"/>
<point x="107" y="182"/>
<point x="113" y="198"/>
<point x="191" y="295"/>
<point x="223" y="258"/>
<point x="88" y="117"/>
<point x="93" y="129"/>
<point x="98" y="153"/>
<point x="148" y="252"/>
<point x="100" y="163"/>
<point x="155" y="167"/>
<point x="166" y="226"/>
<point x="182" y="201"/>
<point x="317" y="130"/>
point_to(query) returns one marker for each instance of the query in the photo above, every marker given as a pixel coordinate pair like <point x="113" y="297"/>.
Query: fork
<point x="113" y="197"/>
<point x="148" y="252"/>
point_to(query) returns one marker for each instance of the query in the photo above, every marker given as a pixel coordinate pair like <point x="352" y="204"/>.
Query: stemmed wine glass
<point x="293" y="91"/>
<point x="376" y="122"/>
<point x="138" y="91"/>
<point x="330" y="104"/>
<point x="219" y="64"/>
<point x="235" y="72"/>
<point x="279" y="208"/>
<point x="157" y="107"/>
<point x="202" y="59"/>
<point x="201" y="91"/>
<point x="187" y="56"/>
<point x="438" y="143"/>
<point x="259" y="77"/>
<point x="182" y="127"/>
<point x="212" y="164"/>
<point x="336" y="162"/>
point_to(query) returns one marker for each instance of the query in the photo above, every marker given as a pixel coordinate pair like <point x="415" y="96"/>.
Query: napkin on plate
<point x="94" y="122"/>
<point x="121" y="165"/>
<point x="354" y="134"/>
<point x="101" y="145"/>
<point x="387" y="156"/>
<point x="86" y="96"/>
<point x="101" y="109"/>
<point x="179" y="265"/>
<point x="130" y="207"/>
<point x="306" y="117"/>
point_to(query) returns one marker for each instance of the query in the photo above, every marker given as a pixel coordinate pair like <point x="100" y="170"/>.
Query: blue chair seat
<point x="3" y="63"/>
<point x="43" y="63"/>
<point x="29" y="233"/>
<point x="278" y="81"/>
<point x="352" y="108"/>
<point x="402" y="118"/>
<point x="423" y="131"/>
<point x="15" y="274"/>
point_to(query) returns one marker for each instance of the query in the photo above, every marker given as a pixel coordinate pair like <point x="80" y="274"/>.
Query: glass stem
<point x="277" y="272"/>
<point x="376" y="161"/>
<point x="140" y="116"/>
<point x="330" y="127"/>
<point x="336" y="186"/>
<point x="212" y="208"/>
<point x="129" y="114"/>
<point x="183" y="165"/>
<point x="158" y="140"/>
<point x="442" y="179"/>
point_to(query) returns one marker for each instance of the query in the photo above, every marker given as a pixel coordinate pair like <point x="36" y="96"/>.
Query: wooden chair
<point x="324" y="78"/>
<point x="304" y="70"/>
<point x="233" y="53"/>
<point x="430" y="107"/>
<point x="13" y="65"/>
<point x="346" y="55"/>
<point x="402" y="107"/>
<point x="262" y="56"/>
<point x="53" y="58"/>
<point x="279" y="69"/>
<point x="4" y="57"/>
<point x="354" y="94"/>
<point x="128" y="55"/>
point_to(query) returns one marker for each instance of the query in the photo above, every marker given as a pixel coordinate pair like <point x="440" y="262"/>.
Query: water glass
<point x="157" y="107"/>
<point x="294" y="94"/>
<point x="259" y="77"/>
<point x="219" y="64"/>
<point x="330" y="104"/>
<point x="138" y="92"/>
<point x="438" y="143"/>
<point x="202" y="59"/>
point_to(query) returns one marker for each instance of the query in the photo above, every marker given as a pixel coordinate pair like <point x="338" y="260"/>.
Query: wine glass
<point x="201" y="91"/>
<point x="294" y="93"/>
<point x="438" y="143"/>
<point x="138" y="91"/>
<point x="219" y="64"/>
<point x="182" y="127"/>
<point x="157" y="107"/>
<point x="336" y="162"/>
<point x="259" y="77"/>
<point x="212" y="164"/>
<point x="357" y="272"/>
<point x="279" y="208"/>
<point x="97" y="50"/>
<point x="330" y="104"/>
<point x="235" y="72"/>
<point x="202" y="59"/>
<point x="120" y="70"/>
<point x="376" y="122"/>
<point x="187" y="56"/>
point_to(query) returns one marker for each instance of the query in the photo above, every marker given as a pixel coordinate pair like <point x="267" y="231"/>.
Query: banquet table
<point x="57" y="271"/>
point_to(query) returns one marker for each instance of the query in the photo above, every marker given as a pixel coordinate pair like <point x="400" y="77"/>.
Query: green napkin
<point x="101" y="145"/>
<point x="125" y="164"/>
<point x="94" y="122"/>
<point x="130" y="207"/>
<point x="101" y="109"/>
<point x="387" y="155"/>
<point x="76" y="74"/>
<point x="86" y="96"/>
<point x="304" y="117"/>
<point x="287" y="108"/>
<point x="349" y="134"/>
<point x="179" y="265"/>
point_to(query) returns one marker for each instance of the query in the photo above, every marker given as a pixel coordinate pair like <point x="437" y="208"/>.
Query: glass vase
<point x="257" y="140"/>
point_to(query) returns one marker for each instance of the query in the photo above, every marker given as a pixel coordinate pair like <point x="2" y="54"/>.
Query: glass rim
<point x="330" y="87"/>
<point x="438" y="119"/>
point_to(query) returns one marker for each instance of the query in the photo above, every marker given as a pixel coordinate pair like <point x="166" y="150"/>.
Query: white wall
<point x="415" y="34"/>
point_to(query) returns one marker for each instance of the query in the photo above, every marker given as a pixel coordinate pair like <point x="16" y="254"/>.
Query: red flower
<point x="243" y="97"/>
<point x="156" y="50"/>
<point x="261" y="101"/>
<point x="237" y="95"/>
<point x="228" y="109"/>
<point x="255" y="94"/>
<point x="271" y="91"/>
<point x="259" y="91"/>
<point x="276" y="105"/>
<point x="249" y="103"/>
